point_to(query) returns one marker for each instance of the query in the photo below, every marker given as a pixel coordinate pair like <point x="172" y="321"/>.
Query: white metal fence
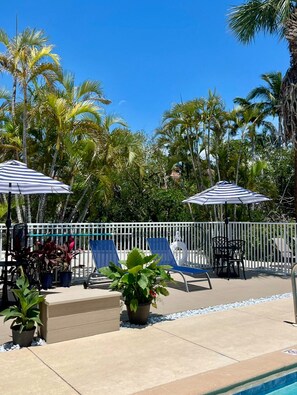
<point x="261" y="251"/>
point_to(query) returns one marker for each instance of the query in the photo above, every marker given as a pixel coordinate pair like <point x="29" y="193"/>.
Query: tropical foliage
<point x="274" y="17"/>
<point x="25" y="314"/>
<point x="140" y="278"/>
<point x="63" y="129"/>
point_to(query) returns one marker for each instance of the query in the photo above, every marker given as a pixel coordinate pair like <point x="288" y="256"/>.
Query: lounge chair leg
<point x="185" y="281"/>
<point x="87" y="282"/>
<point x="208" y="279"/>
<point x="186" y="284"/>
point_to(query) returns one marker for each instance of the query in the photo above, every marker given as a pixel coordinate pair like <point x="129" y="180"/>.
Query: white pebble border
<point x="155" y="318"/>
<point x="9" y="346"/>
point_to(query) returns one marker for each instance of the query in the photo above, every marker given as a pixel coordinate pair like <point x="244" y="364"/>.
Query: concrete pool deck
<point x="193" y="355"/>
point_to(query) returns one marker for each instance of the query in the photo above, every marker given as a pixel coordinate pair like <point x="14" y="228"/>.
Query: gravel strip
<point x="9" y="346"/>
<point x="155" y="318"/>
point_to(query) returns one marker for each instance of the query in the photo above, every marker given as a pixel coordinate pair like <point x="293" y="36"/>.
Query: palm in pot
<point x="25" y="313"/>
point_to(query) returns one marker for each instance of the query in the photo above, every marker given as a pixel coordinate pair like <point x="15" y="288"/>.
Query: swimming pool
<point x="284" y="383"/>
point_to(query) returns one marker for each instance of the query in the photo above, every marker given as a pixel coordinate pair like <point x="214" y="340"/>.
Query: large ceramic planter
<point x="23" y="339"/>
<point x="46" y="280"/>
<point x="65" y="279"/>
<point x="140" y="316"/>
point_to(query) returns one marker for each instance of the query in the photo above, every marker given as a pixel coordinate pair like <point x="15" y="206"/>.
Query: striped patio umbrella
<point x="17" y="178"/>
<point x="225" y="192"/>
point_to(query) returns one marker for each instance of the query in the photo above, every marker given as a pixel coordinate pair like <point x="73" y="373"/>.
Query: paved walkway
<point x="192" y="355"/>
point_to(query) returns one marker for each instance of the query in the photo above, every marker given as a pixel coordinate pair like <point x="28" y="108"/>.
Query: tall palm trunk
<point x="190" y="147"/>
<point x="239" y="159"/>
<point x="85" y="210"/>
<point x="13" y="105"/>
<point x="207" y="153"/>
<point x="18" y="209"/>
<point x="25" y="124"/>
<point x="43" y="198"/>
<point x="75" y="209"/>
<point x="289" y="91"/>
<point x="28" y="217"/>
<point x="63" y="212"/>
<point x="13" y="102"/>
<point x="201" y="183"/>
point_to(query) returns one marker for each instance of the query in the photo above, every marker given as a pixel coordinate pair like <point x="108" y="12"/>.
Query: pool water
<point x="281" y="385"/>
<point x="287" y="390"/>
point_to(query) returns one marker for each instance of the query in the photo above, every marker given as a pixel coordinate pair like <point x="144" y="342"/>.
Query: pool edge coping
<point x="255" y="381"/>
<point x="224" y="381"/>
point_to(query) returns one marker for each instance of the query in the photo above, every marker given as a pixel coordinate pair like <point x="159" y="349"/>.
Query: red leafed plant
<point x="49" y="255"/>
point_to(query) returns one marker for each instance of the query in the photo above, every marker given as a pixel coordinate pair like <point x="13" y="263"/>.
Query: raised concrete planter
<point x="71" y="313"/>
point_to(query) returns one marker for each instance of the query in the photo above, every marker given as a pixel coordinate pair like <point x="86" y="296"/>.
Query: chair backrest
<point x="237" y="244"/>
<point x="19" y="237"/>
<point x="104" y="252"/>
<point x="219" y="241"/>
<point x="219" y="245"/>
<point x="161" y="246"/>
<point x="237" y="247"/>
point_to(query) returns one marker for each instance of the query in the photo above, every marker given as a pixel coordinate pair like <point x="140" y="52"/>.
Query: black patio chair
<point x="236" y="250"/>
<point x="220" y="251"/>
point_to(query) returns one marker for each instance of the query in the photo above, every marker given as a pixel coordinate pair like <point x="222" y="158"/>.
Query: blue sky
<point x="150" y="54"/>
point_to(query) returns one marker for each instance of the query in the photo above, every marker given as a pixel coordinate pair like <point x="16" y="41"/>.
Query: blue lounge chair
<point x="161" y="247"/>
<point x="104" y="252"/>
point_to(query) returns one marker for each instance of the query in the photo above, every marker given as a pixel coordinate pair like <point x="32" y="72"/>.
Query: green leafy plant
<point x="25" y="314"/>
<point x="140" y="279"/>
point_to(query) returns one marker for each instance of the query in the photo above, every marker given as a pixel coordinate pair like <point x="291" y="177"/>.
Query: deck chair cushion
<point x="161" y="247"/>
<point x="103" y="252"/>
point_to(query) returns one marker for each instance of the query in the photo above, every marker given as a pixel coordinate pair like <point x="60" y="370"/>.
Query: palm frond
<point x="269" y="16"/>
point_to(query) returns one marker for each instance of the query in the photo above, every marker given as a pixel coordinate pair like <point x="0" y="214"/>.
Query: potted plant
<point x="65" y="274"/>
<point x="49" y="256"/>
<point x="26" y="263"/>
<point x="66" y="254"/>
<point x="25" y="314"/>
<point x="45" y="257"/>
<point x="140" y="279"/>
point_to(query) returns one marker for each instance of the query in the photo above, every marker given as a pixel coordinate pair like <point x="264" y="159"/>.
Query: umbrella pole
<point x="4" y="301"/>
<point x="226" y="220"/>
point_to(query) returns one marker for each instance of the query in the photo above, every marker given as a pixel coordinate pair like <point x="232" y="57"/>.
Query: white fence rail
<point x="261" y="252"/>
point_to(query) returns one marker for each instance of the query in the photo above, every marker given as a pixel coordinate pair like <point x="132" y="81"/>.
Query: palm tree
<point x="269" y="96"/>
<point x="66" y="122"/>
<point x="196" y="130"/>
<point x="10" y="141"/>
<point x="30" y="69"/>
<point x="249" y="122"/>
<point x="9" y="60"/>
<point x="98" y="160"/>
<point x="215" y="125"/>
<point x="181" y="127"/>
<point x="69" y="126"/>
<point x="25" y="59"/>
<point x="274" y="17"/>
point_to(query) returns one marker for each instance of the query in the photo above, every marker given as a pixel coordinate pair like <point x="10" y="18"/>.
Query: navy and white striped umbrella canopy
<point x="225" y="192"/>
<point x="17" y="178"/>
